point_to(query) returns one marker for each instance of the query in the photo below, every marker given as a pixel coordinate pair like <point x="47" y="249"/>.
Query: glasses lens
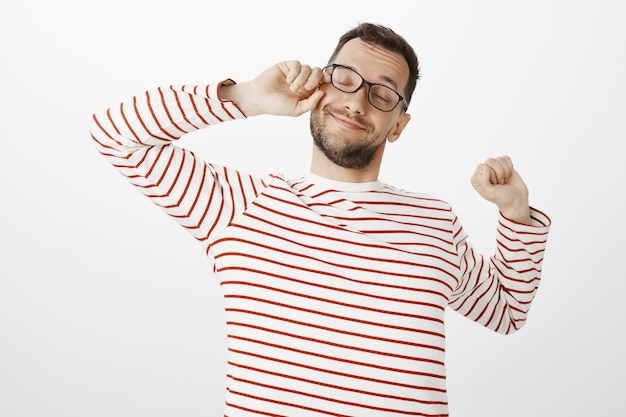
<point x="346" y="79"/>
<point x="383" y="97"/>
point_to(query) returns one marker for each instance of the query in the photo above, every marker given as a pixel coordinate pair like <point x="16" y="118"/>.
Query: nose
<point x="357" y="102"/>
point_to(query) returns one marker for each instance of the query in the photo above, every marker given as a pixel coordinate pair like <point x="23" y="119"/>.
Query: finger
<point x="315" y="79"/>
<point x="507" y="166"/>
<point x="291" y="70"/>
<point x="301" y="78"/>
<point x="500" y="169"/>
<point x="491" y="169"/>
<point x="326" y="77"/>
<point x="310" y="102"/>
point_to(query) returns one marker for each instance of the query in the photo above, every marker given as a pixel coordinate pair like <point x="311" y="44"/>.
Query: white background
<point x="108" y="308"/>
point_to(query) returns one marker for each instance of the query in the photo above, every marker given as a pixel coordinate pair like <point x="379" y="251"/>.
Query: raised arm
<point x="137" y="137"/>
<point x="497" y="292"/>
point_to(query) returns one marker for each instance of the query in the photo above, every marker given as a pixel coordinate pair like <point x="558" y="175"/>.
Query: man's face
<point x="348" y="130"/>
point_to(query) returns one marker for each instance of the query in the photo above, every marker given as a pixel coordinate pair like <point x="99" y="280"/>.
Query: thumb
<point x="482" y="182"/>
<point x="310" y="102"/>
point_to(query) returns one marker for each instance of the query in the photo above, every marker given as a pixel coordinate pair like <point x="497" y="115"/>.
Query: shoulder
<point x="421" y="199"/>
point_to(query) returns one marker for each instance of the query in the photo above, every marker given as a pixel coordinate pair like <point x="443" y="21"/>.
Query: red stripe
<point x="167" y="110"/>
<point x="156" y="119"/>
<point x="143" y="125"/>
<point x="130" y="128"/>
<point x="323" y="384"/>
<point x="359" y="246"/>
<point x="227" y="183"/>
<point x="208" y="105"/>
<point x="323" y="398"/>
<point x="345" y="332"/>
<point x="410" y="371"/>
<point x="326" y="371"/>
<point x="306" y="283"/>
<point x="249" y="410"/>
<point x="335" y="387"/>
<point x="273" y="401"/>
<point x="352" y="319"/>
<point x="103" y="130"/>
<point x="325" y="300"/>
<point x="420" y="289"/>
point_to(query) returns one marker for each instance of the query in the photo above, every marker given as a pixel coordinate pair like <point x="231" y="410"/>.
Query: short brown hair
<point x="385" y="37"/>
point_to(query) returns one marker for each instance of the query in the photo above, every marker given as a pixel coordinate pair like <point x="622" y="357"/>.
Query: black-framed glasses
<point x="349" y="81"/>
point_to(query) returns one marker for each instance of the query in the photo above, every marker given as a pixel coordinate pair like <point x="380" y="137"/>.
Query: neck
<point x="323" y="167"/>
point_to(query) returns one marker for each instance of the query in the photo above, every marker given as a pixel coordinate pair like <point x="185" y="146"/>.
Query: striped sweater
<point x="334" y="292"/>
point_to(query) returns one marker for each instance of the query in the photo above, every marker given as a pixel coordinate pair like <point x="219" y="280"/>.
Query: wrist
<point x="237" y="94"/>
<point x="518" y="214"/>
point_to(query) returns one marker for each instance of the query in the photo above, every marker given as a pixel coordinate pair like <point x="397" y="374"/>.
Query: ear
<point x="395" y="132"/>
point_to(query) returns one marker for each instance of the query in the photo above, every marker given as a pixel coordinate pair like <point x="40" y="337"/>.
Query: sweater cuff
<point x="522" y="241"/>
<point x="229" y="105"/>
<point x="540" y="226"/>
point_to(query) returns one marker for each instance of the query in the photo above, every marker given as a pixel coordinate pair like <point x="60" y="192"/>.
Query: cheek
<point x="330" y="93"/>
<point x="383" y="125"/>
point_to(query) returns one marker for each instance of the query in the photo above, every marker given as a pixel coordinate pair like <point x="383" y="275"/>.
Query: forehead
<point x="374" y="63"/>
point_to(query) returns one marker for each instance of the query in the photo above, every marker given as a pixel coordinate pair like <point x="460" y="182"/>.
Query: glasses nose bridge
<point x="366" y="83"/>
<point x="362" y="99"/>
<point x="363" y="82"/>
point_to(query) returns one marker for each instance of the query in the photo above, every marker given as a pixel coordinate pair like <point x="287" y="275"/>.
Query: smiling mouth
<point x="346" y="122"/>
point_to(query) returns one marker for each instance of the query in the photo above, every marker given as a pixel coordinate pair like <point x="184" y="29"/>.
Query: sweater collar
<point x="354" y="187"/>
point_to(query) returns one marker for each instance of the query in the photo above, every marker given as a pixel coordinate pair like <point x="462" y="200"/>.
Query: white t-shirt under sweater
<point x="334" y="292"/>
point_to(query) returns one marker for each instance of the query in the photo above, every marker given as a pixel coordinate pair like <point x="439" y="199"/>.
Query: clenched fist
<point x="498" y="182"/>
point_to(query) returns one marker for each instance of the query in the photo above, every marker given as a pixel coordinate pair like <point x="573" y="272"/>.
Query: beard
<point x="356" y="155"/>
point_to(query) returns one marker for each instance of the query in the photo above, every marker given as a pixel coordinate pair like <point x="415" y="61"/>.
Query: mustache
<point x="347" y="115"/>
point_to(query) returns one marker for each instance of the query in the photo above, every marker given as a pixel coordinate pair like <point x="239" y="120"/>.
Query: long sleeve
<point x="137" y="138"/>
<point x="497" y="292"/>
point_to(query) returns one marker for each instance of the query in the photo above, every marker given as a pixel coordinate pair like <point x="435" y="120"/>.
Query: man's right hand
<point x="288" y="88"/>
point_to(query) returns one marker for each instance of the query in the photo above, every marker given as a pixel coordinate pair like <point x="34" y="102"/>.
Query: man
<point x="335" y="284"/>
